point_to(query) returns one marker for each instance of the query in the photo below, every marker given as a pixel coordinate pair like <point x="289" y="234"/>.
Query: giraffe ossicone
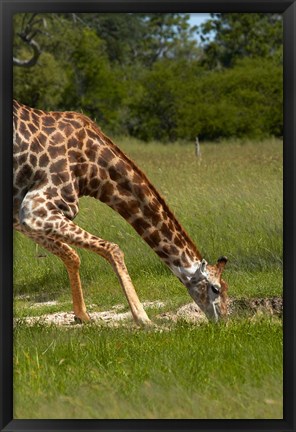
<point x="59" y="157"/>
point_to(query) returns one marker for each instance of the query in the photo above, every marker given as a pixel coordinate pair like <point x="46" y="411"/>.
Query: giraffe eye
<point x="215" y="289"/>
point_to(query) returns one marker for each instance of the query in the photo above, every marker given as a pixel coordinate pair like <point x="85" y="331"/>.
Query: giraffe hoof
<point x="145" y="323"/>
<point x="77" y="320"/>
<point x="85" y="319"/>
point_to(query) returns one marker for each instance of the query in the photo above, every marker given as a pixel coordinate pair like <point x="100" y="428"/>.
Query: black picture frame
<point x="7" y="9"/>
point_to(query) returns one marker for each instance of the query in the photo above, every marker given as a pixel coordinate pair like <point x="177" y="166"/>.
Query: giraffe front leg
<point x="60" y="229"/>
<point x="116" y="259"/>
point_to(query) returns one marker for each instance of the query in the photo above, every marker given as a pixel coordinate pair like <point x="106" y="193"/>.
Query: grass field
<point x="230" y="204"/>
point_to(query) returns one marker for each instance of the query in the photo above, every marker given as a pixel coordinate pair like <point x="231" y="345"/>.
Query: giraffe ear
<point x="201" y="272"/>
<point x="221" y="262"/>
<point x="203" y="266"/>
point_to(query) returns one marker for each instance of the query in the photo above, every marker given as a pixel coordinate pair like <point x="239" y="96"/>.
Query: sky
<point x="197" y="19"/>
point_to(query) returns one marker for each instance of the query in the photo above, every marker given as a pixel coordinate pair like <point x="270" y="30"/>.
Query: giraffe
<point x="61" y="156"/>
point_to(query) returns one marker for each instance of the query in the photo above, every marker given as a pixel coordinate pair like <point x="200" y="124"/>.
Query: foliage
<point x="179" y="101"/>
<point x="95" y="86"/>
<point x="234" y="102"/>
<point x="143" y="38"/>
<point x="145" y="74"/>
<point x="31" y="85"/>
<point x="239" y="35"/>
<point x="43" y="85"/>
<point x="155" y="110"/>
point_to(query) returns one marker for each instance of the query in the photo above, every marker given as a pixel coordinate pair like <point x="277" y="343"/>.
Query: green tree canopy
<point x="143" y="38"/>
<point x="145" y="74"/>
<point x="229" y="37"/>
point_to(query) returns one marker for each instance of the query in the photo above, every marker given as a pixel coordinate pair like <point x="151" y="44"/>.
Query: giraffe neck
<point x="128" y="191"/>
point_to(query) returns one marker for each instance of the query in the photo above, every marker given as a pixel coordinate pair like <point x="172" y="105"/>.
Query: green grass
<point x="230" y="204"/>
<point x="208" y="371"/>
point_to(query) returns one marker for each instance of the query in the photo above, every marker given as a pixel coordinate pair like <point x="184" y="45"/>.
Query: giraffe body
<point x="61" y="156"/>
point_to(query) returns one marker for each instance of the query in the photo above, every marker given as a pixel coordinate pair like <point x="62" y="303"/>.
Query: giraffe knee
<point x="72" y="259"/>
<point x="115" y="252"/>
<point x="75" y="260"/>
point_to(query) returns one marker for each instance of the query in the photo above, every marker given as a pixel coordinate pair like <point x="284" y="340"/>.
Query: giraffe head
<point x="208" y="289"/>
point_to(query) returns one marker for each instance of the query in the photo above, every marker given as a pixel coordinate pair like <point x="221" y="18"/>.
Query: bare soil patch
<point x="189" y="312"/>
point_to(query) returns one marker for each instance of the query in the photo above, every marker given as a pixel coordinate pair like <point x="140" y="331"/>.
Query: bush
<point x="180" y="101"/>
<point x="245" y="101"/>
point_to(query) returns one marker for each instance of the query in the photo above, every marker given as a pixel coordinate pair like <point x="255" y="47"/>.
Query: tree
<point x="244" y="101"/>
<point x="42" y="81"/>
<point x="154" y="112"/>
<point x="142" y="74"/>
<point x="168" y="36"/>
<point x="96" y="87"/>
<point x="143" y="38"/>
<point x="239" y="35"/>
<point x="27" y="30"/>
